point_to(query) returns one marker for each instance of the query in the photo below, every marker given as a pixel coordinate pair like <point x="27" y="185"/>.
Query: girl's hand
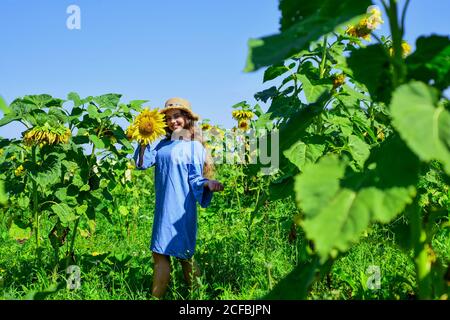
<point x="213" y="185"/>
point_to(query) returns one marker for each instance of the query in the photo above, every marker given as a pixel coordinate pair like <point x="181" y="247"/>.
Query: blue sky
<point x="152" y="50"/>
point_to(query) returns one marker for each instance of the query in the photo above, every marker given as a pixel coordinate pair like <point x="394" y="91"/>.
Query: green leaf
<point x="75" y="98"/>
<point x="274" y="71"/>
<point x="81" y="210"/>
<point x="38" y="100"/>
<point x="4" y="107"/>
<point x="344" y="124"/>
<point x="359" y="150"/>
<point x="8" y="119"/>
<point x="64" y="213"/>
<point x="313" y="89"/>
<point x="302" y="153"/>
<point x="370" y="67"/>
<point x="105" y="114"/>
<point x="110" y="100"/>
<point x="293" y="11"/>
<point x="431" y="61"/>
<point x="92" y="111"/>
<point x="350" y="97"/>
<point x="319" y="18"/>
<point x="283" y="106"/>
<point x="50" y="171"/>
<point x="339" y="204"/>
<point x="62" y="195"/>
<point x="19" y="231"/>
<point x="99" y="144"/>
<point x="423" y="125"/>
<point x="267" y="94"/>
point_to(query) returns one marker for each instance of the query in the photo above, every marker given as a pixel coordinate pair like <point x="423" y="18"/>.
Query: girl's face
<point x="175" y="120"/>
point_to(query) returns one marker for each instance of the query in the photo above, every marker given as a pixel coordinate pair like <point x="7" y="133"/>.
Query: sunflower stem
<point x="35" y="206"/>
<point x="398" y="63"/>
<point x="324" y="57"/>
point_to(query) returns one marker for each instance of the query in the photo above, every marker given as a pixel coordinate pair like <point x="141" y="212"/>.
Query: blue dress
<point x="178" y="186"/>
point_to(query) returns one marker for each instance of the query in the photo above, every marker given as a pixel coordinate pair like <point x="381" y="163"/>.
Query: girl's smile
<point x="175" y="120"/>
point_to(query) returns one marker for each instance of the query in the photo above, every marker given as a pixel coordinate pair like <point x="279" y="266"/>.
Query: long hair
<point x="196" y="134"/>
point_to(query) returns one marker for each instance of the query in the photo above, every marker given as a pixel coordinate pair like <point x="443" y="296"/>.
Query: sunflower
<point x="45" y="134"/>
<point x="366" y="25"/>
<point x="147" y="127"/>
<point x="243" y="125"/>
<point x="206" y="126"/>
<point x="242" y="115"/>
<point x="19" y="171"/>
<point x="406" y="49"/>
<point x="338" y="80"/>
<point x="217" y="132"/>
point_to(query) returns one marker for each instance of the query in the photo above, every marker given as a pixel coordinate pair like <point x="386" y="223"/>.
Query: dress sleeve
<point x="149" y="156"/>
<point x="196" y="180"/>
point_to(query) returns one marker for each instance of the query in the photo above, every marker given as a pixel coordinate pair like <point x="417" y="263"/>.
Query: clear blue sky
<point x="151" y="49"/>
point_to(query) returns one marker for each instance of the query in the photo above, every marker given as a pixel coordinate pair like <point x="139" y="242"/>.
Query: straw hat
<point x="180" y="104"/>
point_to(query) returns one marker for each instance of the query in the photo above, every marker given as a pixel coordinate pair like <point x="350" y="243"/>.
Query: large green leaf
<point x="351" y="98"/>
<point x="64" y="213"/>
<point x="313" y="19"/>
<point x="4" y="107"/>
<point x="42" y="101"/>
<point x="370" y="67"/>
<point x="431" y="61"/>
<point x="339" y="204"/>
<point x="49" y="172"/>
<point x="314" y="89"/>
<point x="423" y="125"/>
<point x="75" y="98"/>
<point x="359" y="150"/>
<point x="110" y="100"/>
<point x="274" y="71"/>
<point x="302" y="153"/>
<point x="293" y="11"/>
<point x="99" y="144"/>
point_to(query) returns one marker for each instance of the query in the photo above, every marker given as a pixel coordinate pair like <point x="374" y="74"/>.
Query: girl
<point x="180" y="160"/>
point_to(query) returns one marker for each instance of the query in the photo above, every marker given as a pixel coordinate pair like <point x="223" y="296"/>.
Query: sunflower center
<point x="146" y="127"/>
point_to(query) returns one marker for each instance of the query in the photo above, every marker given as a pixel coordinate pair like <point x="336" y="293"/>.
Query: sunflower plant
<point x="348" y="132"/>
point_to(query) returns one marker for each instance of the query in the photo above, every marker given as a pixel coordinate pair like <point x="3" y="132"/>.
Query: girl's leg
<point x="191" y="271"/>
<point x="161" y="274"/>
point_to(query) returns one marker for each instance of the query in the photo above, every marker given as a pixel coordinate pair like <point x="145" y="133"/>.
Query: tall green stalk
<point x="69" y="257"/>
<point x="35" y="206"/>
<point x="399" y="74"/>
<point x="324" y="57"/>
<point x="418" y="233"/>
<point x="420" y="246"/>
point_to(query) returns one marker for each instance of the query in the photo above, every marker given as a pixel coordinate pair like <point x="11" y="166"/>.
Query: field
<point x="237" y="261"/>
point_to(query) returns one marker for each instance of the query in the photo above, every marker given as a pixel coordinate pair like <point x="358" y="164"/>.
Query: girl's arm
<point x="145" y="156"/>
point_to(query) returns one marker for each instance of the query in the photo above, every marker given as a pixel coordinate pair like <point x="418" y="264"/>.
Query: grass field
<point x="238" y="260"/>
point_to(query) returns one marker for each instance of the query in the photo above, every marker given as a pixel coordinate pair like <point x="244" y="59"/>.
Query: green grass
<point x="238" y="260"/>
